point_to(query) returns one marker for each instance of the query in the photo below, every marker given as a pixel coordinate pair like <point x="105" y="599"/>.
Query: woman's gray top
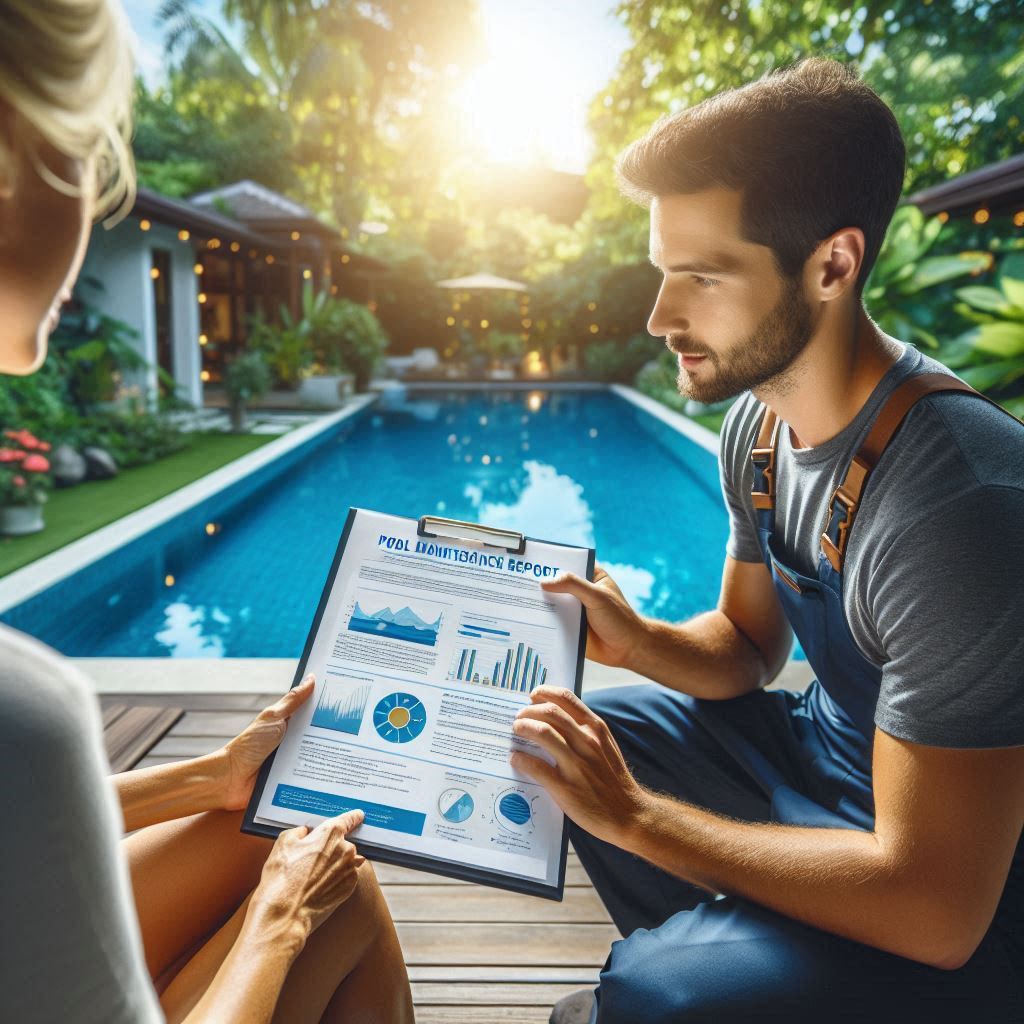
<point x="70" y="950"/>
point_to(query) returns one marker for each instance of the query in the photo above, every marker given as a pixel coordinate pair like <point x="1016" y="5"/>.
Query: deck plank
<point x="482" y="903"/>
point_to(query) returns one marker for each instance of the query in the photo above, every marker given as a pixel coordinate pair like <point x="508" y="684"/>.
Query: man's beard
<point x="762" y="360"/>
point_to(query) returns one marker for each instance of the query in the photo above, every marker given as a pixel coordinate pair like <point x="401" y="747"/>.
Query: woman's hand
<point x="242" y="757"/>
<point x="614" y="630"/>
<point x="308" y="874"/>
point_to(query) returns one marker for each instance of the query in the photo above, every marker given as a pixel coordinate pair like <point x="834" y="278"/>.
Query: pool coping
<point x="44" y="572"/>
<point x="707" y="439"/>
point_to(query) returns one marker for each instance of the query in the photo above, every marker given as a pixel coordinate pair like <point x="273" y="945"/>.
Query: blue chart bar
<point x="519" y="668"/>
<point x="485" y="629"/>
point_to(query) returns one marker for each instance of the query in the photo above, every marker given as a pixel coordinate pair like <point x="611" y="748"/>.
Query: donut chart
<point x="399" y="717"/>
<point x="455" y="805"/>
<point x="513" y="812"/>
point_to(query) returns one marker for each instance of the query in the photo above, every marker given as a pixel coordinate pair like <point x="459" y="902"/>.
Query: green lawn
<point x="74" y="512"/>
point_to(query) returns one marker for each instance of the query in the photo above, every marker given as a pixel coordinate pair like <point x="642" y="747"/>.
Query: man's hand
<point x="242" y="757"/>
<point x="614" y="630"/>
<point x="589" y="780"/>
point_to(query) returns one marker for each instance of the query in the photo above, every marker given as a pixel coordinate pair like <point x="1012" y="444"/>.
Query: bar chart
<point x="506" y="658"/>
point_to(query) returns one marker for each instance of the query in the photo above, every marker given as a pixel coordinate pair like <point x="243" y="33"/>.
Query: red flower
<point x="36" y="464"/>
<point x="19" y="481"/>
<point x="11" y="455"/>
<point x="44" y="446"/>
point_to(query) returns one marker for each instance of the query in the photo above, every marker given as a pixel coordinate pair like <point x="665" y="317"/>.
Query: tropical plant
<point x="356" y="339"/>
<point x="899" y="295"/>
<point x="503" y="346"/>
<point x="990" y="354"/>
<point x="24" y="469"/>
<point x="247" y="377"/>
<point x="286" y="348"/>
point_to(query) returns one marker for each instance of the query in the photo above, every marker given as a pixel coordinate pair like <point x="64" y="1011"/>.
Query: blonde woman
<point x="223" y="927"/>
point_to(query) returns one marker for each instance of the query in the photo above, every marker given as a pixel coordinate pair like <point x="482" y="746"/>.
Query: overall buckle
<point x="763" y="492"/>
<point x="841" y="510"/>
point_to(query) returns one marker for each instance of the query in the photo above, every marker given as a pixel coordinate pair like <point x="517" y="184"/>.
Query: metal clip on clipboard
<point x="474" y="533"/>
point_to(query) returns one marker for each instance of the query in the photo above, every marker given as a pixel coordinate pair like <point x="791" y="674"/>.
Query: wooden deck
<point x="476" y="955"/>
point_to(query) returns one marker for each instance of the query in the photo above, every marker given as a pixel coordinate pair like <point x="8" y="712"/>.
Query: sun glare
<point x="523" y="105"/>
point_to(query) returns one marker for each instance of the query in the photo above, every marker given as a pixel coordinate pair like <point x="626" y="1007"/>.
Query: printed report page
<point x="426" y="650"/>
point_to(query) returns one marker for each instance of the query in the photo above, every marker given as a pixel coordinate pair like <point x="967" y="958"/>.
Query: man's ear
<point x="833" y="267"/>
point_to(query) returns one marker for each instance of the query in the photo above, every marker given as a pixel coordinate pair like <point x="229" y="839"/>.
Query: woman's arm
<point x="168" y="791"/>
<point x="222" y="780"/>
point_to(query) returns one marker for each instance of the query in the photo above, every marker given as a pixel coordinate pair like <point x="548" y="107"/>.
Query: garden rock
<point x="100" y="464"/>
<point x="67" y="466"/>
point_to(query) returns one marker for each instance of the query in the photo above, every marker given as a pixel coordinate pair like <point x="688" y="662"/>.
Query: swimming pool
<point x="240" y="574"/>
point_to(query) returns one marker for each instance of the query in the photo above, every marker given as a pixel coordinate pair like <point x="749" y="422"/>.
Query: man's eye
<point x="706" y="282"/>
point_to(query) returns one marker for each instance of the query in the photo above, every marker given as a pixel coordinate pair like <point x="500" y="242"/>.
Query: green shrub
<point x="247" y="377"/>
<point x="354" y="339"/>
<point x="617" y="361"/>
<point x="658" y="379"/>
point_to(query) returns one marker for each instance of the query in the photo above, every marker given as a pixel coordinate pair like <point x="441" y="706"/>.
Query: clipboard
<point x="481" y="537"/>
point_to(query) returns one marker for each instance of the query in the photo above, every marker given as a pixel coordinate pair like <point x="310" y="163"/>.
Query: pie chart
<point x="513" y="807"/>
<point x="455" y="805"/>
<point x="399" y="717"/>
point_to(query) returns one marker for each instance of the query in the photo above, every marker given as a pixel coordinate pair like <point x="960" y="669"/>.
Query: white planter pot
<point x="326" y="392"/>
<point x="17" y="520"/>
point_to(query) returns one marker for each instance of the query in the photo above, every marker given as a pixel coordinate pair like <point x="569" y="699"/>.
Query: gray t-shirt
<point x="933" y="581"/>
<point x="70" y="950"/>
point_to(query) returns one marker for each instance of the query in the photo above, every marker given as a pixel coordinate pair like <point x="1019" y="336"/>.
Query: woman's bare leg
<point x="188" y="877"/>
<point x="350" y="970"/>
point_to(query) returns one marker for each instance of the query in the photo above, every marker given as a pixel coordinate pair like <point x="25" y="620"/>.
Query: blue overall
<point x="768" y="756"/>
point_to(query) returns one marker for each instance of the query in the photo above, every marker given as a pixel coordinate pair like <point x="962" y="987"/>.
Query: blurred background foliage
<point x="349" y="106"/>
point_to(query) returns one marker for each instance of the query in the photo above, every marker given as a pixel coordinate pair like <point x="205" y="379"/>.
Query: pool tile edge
<point x="707" y="439"/>
<point x="43" y="573"/>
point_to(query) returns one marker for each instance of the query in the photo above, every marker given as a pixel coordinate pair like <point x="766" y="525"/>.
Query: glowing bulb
<point x="154" y="272"/>
<point x="345" y="257"/>
<point x="144" y="224"/>
<point x="201" y="297"/>
<point x="307" y="273"/>
<point x="450" y="321"/>
<point x="591" y="306"/>
<point x="270" y="259"/>
<point x="980" y="216"/>
<point x="203" y="339"/>
<point x="485" y="323"/>
<point x="296" y="235"/>
<point x="204" y="376"/>
<point x="1018" y="219"/>
<point x="183" y="235"/>
<point x="235" y="247"/>
<point x="198" y="268"/>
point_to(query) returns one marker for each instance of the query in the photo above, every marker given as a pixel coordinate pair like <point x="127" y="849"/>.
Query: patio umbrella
<point x="482" y="282"/>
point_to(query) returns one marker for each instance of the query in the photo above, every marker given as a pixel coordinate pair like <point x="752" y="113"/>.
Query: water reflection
<point x="551" y="506"/>
<point x="194" y="632"/>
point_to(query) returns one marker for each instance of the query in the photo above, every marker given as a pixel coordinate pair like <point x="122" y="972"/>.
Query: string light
<point x="270" y="259"/>
<point x="307" y="273"/>
<point x="345" y="257"/>
<point x="203" y="339"/>
<point x="235" y="247"/>
<point x="593" y="328"/>
<point x="981" y="216"/>
<point x="198" y="268"/>
<point x="485" y="324"/>
<point x="204" y="376"/>
<point x="183" y="235"/>
<point x="296" y="235"/>
<point x="450" y="321"/>
<point x="1018" y="219"/>
<point x="154" y="273"/>
<point x="145" y="224"/>
<point x="591" y="306"/>
<point x="943" y="217"/>
<point x="201" y="298"/>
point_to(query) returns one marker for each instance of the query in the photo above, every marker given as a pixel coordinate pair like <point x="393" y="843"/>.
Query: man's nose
<point x="665" y="320"/>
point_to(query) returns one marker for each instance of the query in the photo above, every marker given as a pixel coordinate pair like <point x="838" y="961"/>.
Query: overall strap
<point x="842" y="508"/>
<point x="762" y="491"/>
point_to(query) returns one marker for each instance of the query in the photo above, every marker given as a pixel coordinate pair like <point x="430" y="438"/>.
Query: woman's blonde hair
<point x="66" y="69"/>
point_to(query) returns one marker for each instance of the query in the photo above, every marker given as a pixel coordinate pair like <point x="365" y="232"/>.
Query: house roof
<point x="998" y="188"/>
<point x="251" y="201"/>
<point x="267" y="232"/>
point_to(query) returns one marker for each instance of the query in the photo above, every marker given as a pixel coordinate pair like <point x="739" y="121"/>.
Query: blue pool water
<point x="580" y="467"/>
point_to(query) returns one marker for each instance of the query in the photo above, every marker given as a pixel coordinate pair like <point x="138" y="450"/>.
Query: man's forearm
<point x="839" y="880"/>
<point x="168" y="791"/>
<point x="705" y="657"/>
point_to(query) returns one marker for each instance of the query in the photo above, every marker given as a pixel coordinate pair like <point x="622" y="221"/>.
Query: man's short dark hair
<point x="812" y="148"/>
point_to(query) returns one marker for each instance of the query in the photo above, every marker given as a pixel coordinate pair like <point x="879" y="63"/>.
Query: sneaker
<point x="576" y="1008"/>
